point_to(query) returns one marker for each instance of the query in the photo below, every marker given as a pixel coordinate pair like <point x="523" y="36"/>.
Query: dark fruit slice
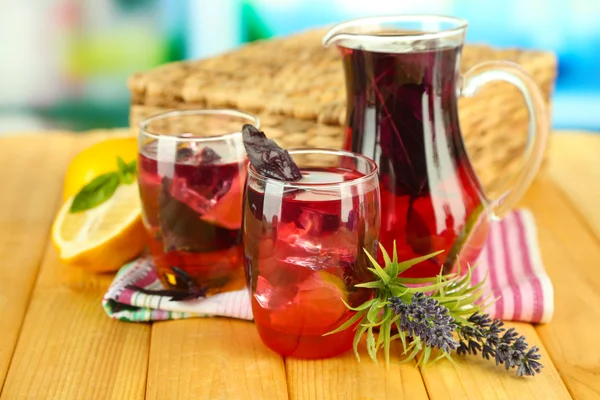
<point x="267" y="157"/>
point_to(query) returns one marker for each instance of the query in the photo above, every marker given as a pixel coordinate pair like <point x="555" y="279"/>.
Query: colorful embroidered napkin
<point x="511" y="255"/>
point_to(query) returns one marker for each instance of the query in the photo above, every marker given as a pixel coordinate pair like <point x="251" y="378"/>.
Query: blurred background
<point x="65" y="62"/>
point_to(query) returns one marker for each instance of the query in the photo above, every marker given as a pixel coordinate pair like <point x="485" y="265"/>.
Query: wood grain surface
<point x="212" y="358"/>
<point x="31" y="177"/>
<point x="564" y="201"/>
<point x="345" y="378"/>
<point x="476" y="378"/>
<point x="68" y="348"/>
<point x="57" y="342"/>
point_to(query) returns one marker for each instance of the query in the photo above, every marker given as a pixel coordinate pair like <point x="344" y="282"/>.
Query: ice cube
<point x="212" y="181"/>
<point x="227" y="212"/>
<point x="181" y="191"/>
<point x="316" y="307"/>
<point x="205" y="185"/>
<point x="272" y="297"/>
<point x="182" y="229"/>
<point x="318" y="222"/>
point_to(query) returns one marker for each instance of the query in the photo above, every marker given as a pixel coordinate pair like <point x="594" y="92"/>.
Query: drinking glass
<point x="305" y="244"/>
<point x="192" y="171"/>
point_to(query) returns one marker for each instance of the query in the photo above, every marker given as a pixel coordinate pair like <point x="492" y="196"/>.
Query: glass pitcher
<point x="403" y="83"/>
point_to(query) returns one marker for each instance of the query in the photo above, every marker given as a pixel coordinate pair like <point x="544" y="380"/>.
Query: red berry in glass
<point x="304" y="254"/>
<point x="402" y="113"/>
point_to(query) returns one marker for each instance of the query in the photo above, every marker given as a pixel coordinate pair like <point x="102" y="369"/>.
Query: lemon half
<point x="103" y="238"/>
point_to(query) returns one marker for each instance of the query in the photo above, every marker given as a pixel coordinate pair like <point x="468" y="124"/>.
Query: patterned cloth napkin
<point x="515" y="274"/>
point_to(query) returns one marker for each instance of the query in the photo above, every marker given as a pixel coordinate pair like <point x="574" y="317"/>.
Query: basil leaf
<point x="96" y="192"/>
<point x="122" y="165"/>
<point x="126" y="171"/>
<point x="132" y="167"/>
<point x="131" y="171"/>
<point x="126" y="178"/>
<point x="97" y="182"/>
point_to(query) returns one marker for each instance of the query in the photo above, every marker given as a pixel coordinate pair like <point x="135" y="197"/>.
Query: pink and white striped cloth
<point x="516" y="273"/>
<point x="511" y="255"/>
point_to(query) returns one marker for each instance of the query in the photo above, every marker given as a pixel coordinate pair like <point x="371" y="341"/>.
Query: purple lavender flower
<point x="494" y="341"/>
<point x="425" y="318"/>
<point x="529" y="364"/>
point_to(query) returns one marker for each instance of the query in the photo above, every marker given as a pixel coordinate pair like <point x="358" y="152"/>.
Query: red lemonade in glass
<point x="191" y="190"/>
<point x="304" y="254"/>
<point x="193" y="221"/>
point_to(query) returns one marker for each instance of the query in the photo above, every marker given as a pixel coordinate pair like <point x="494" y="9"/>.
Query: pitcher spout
<point x="383" y="30"/>
<point x="344" y="31"/>
<point x="332" y="37"/>
<point x="352" y="30"/>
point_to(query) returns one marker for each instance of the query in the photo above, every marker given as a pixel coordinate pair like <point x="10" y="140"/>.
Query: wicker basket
<point x="298" y="89"/>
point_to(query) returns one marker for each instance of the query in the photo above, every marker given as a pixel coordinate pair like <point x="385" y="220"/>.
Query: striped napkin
<point x="511" y="255"/>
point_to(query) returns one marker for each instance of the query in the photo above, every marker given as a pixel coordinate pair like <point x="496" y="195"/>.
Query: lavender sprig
<point x="440" y="314"/>
<point x="494" y="341"/>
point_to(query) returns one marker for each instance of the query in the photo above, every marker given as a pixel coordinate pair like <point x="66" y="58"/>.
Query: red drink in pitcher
<point x="304" y="246"/>
<point x="402" y="85"/>
<point x="430" y="198"/>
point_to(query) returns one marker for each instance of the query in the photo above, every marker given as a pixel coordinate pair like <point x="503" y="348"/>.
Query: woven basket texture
<point x="297" y="88"/>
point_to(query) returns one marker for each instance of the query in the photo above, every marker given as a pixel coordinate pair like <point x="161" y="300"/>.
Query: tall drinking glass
<point x="304" y="244"/>
<point x="192" y="169"/>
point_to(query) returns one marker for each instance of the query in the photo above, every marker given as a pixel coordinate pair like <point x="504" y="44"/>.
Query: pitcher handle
<point x="489" y="71"/>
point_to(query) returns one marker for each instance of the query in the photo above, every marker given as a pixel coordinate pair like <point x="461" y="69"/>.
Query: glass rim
<point x="337" y="30"/>
<point x="320" y="185"/>
<point x="143" y="125"/>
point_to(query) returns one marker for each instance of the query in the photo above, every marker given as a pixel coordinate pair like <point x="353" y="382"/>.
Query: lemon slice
<point x="102" y="238"/>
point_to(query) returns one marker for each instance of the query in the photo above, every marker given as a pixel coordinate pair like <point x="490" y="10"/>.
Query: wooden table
<point x="57" y="342"/>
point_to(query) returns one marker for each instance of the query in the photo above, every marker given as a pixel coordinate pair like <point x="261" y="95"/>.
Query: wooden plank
<point x="574" y="165"/>
<point x="212" y="358"/>
<point x="345" y="378"/>
<point x="31" y="171"/>
<point x="571" y="254"/>
<point x="68" y="347"/>
<point x="476" y="378"/>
